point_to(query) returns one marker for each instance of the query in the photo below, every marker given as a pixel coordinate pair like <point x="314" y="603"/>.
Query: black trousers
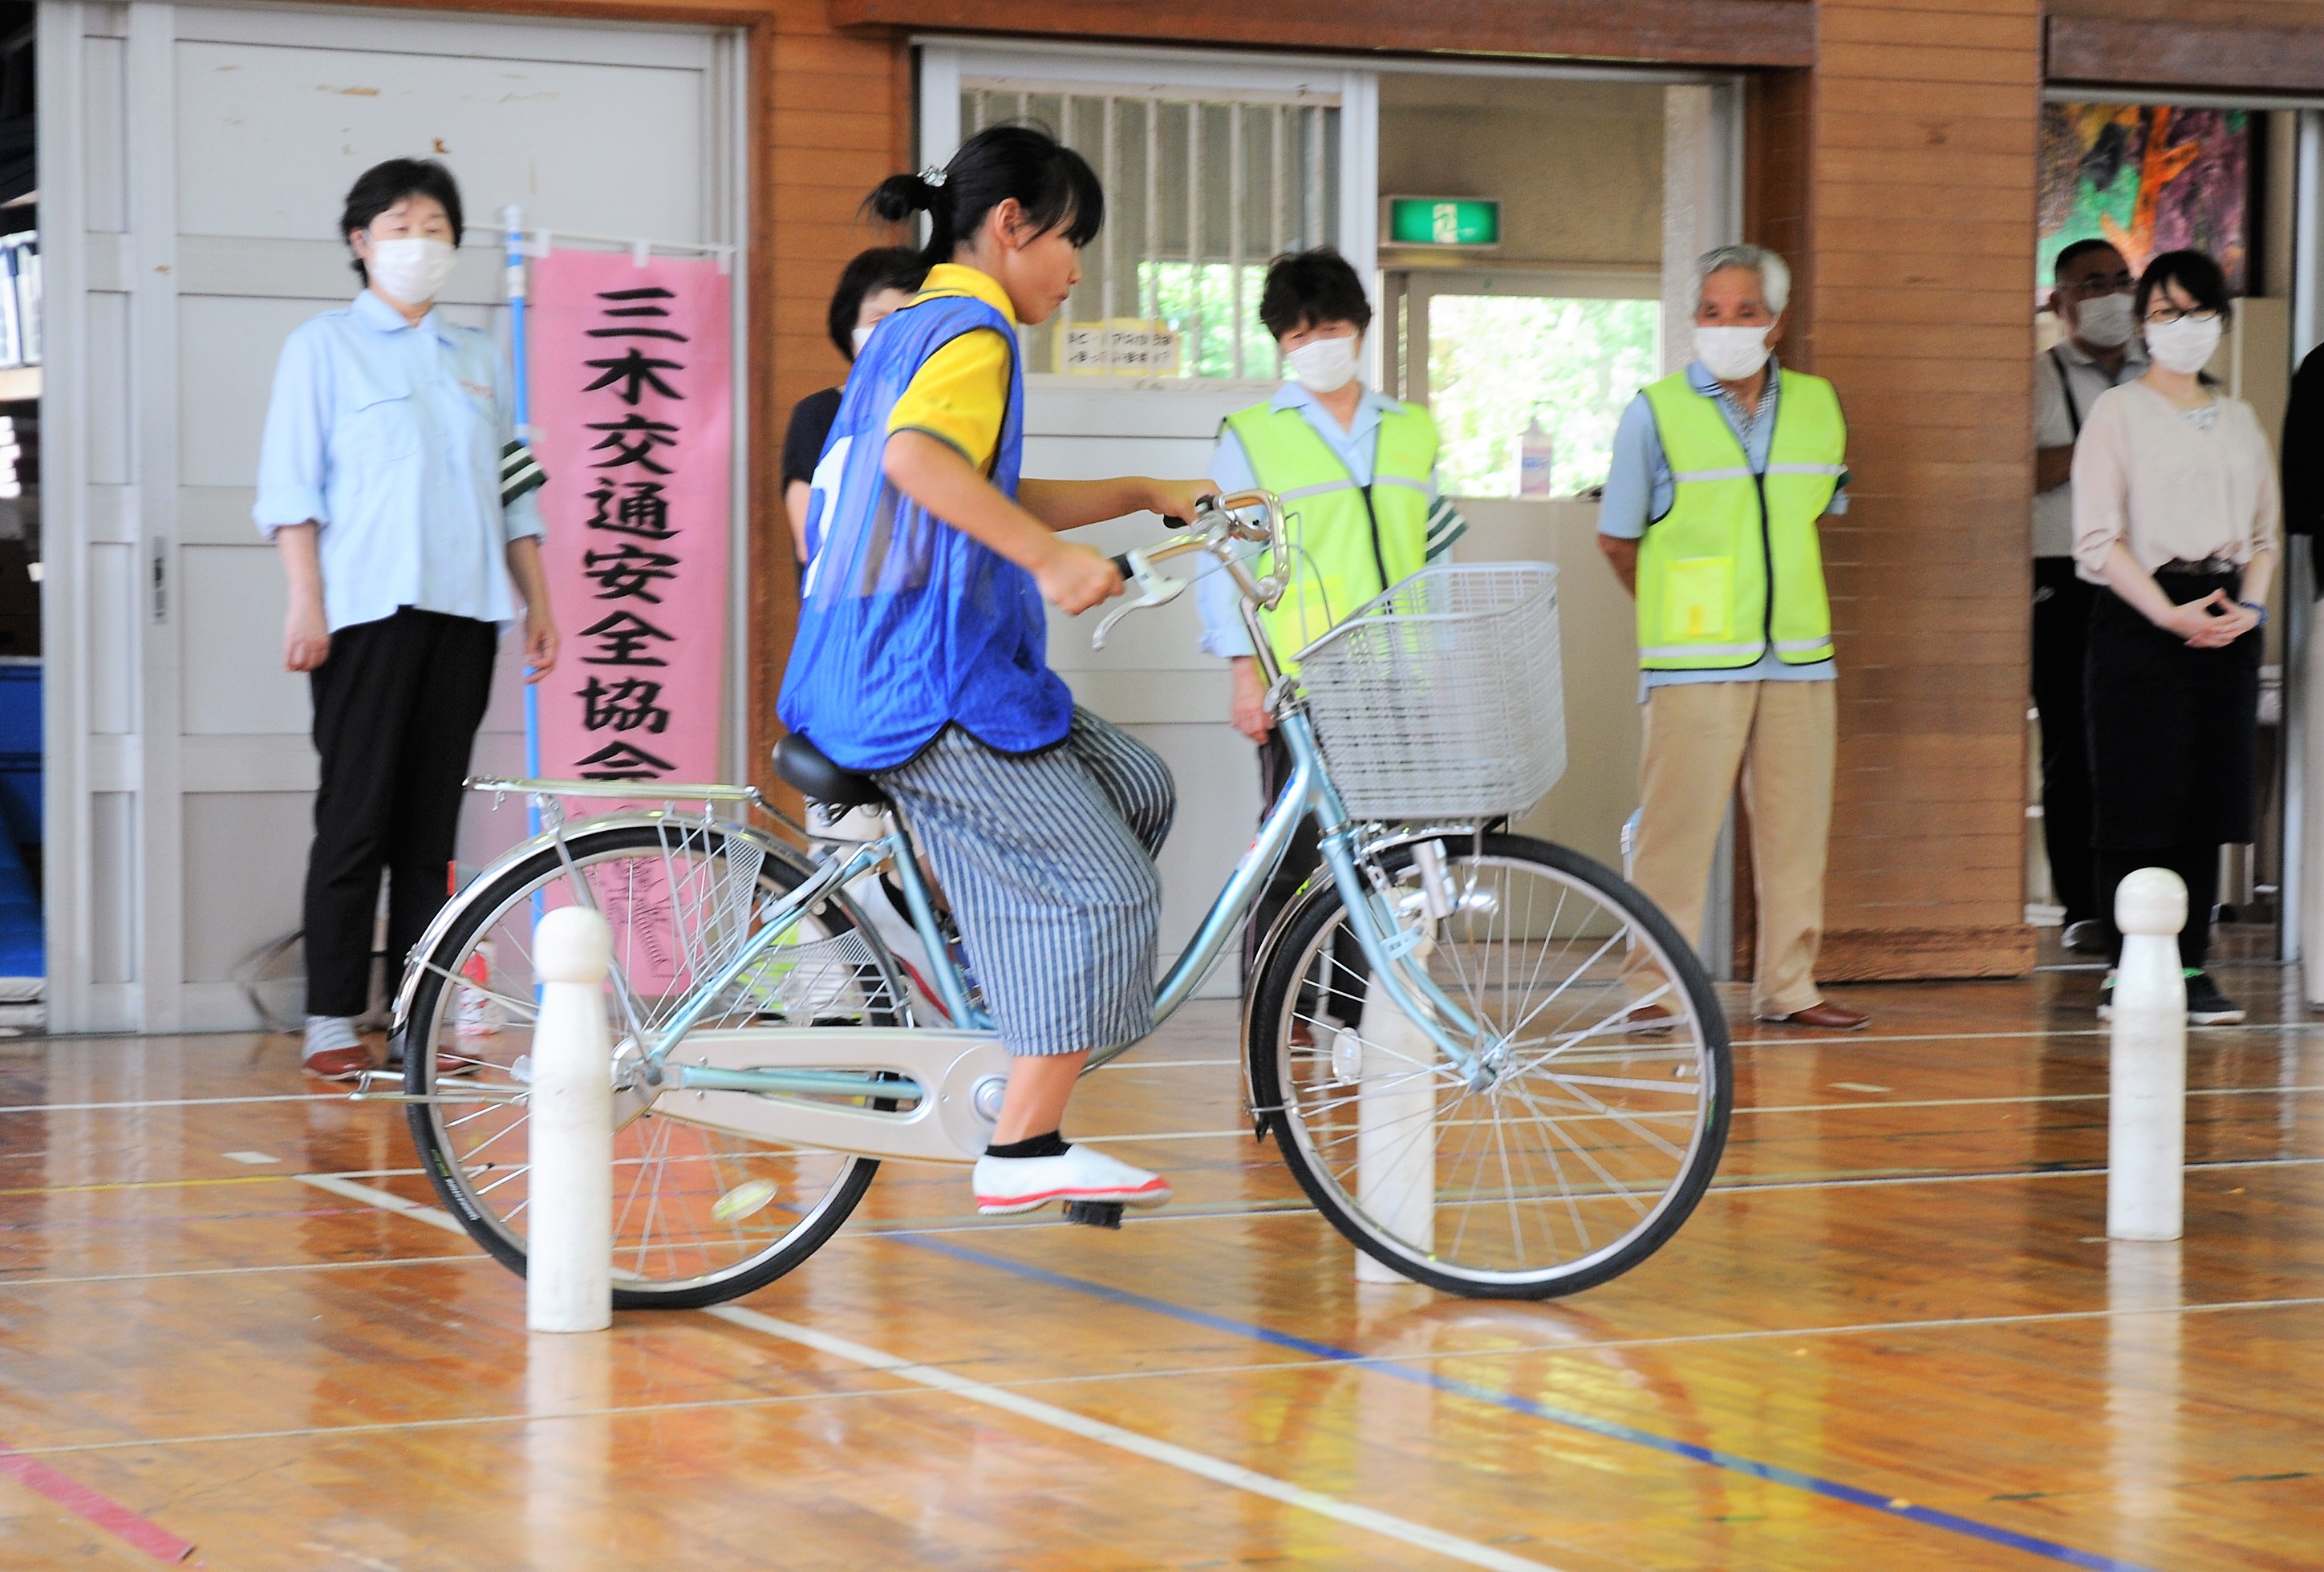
<point x="396" y="711"/>
<point x="2197" y="862"/>
<point x="2061" y="632"/>
<point x="2173" y="746"/>
<point x="1351" y="971"/>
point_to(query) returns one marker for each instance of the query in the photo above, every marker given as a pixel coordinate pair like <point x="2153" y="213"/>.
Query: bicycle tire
<point x="445" y="1171"/>
<point x="1288" y="958"/>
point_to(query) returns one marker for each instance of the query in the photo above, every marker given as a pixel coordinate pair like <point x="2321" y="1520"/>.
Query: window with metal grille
<point x="1200" y="189"/>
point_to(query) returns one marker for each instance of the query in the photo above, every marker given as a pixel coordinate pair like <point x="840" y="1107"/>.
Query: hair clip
<point x="934" y="175"/>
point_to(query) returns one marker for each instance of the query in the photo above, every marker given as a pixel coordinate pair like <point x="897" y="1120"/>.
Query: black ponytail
<point x="1054" y="185"/>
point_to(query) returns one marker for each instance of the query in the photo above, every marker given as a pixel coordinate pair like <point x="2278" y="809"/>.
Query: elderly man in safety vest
<point x="1719" y="474"/>
<point x="1358" y="471"/>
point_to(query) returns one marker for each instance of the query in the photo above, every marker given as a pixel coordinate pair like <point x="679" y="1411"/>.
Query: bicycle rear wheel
<point x="700" y="1215"/>
<point x="1579" y="1156"/>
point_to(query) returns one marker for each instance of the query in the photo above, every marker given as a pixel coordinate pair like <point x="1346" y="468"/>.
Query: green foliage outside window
<point x="1496" y="362"/>
<point x="1198" y="300"/>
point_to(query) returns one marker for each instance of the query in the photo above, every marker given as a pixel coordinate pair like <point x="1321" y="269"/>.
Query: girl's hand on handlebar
<point x="1178" y="499"/>
<point x="1073" y="577"/>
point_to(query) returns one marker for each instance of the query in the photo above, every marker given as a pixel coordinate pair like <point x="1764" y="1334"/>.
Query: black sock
<point x="1052" y="1144"/>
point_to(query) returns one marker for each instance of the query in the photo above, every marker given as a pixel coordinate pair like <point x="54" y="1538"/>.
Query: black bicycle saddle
<point x="804" y="765"/>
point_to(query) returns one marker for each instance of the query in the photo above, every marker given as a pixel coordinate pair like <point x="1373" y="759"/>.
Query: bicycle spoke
<point x="1592" y="1125"/>
<point x="682" y="900"/>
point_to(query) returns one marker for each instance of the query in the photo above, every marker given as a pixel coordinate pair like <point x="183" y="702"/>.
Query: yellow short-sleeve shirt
<point x="960" y="394"/>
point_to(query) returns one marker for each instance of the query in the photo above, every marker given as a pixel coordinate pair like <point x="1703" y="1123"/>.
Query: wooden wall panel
<point x="1921" y="321"/>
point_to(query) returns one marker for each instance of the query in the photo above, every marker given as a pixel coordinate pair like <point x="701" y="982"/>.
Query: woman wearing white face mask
<point x="873" y="284"/>
<point x="2176" y="512"/>
<point x="1359" y="469"/>
<point x="380" y="480"/>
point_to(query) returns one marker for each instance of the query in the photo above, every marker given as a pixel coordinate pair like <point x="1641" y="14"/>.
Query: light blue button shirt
<point x="388" y="436"/>
<point x="1223" y="633"/>
<point x="1639" y="490"/>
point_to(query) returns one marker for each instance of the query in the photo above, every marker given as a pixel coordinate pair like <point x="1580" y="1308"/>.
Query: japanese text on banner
<point x="633" y="382"/>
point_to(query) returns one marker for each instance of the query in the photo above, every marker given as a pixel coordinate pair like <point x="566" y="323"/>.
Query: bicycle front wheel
<point x="1568" y="1162"/>
<point x="700" y="1215"/>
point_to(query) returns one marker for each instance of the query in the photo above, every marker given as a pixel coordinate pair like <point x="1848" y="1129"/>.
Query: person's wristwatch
<point x="2256" y="610"/>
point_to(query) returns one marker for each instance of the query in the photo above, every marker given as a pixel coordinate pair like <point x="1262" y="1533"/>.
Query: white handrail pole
<point x="2147" y="1117"/>
<point x="568" y="1281"/>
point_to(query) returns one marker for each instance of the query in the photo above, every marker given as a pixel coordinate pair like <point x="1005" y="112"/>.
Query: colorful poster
<point x="632" y="378"/>
<point x="2147" y="178"/>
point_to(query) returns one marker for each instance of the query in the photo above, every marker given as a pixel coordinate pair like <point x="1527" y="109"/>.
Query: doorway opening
<point x="2150" y="177"/>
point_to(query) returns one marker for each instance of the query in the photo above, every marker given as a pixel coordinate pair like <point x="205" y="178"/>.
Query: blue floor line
<point x="1612" y="1429"/>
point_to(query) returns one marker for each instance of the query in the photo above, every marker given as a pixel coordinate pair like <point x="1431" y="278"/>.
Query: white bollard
<point x="1395" y="1127"/>
<point x="568" y="1283"/>
<point x="2146" y="1115"/>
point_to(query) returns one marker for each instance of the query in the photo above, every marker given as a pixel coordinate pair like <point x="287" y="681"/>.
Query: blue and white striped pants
<point x="1048" y="860"/>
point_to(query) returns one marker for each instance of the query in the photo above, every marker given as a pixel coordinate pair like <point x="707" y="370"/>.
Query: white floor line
<point x="2099" y="1172"/>
<point x="1848" y="1329"/>
<point x="1938" y="1102"/>
<point x="1732" y="1187"/>
<point x="8" y="1282"/>
<point x="177" y="1102"/>
<point x="1970" y="1102"/>
<point x="2196" y="1035"/>
<point x="435" y="1216"/>
<point x="1198" y="1464"/>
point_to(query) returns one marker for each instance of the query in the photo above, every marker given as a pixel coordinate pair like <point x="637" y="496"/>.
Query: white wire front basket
<point x="1444" y="698"/>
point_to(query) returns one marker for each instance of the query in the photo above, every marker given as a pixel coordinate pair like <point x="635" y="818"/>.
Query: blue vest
<point x="906" y="624"/>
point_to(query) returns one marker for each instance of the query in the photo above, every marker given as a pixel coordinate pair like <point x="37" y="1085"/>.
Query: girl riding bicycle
<point x="921" y="656"/>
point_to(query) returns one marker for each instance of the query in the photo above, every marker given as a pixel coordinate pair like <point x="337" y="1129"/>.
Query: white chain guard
<point x="944" y="1126"/>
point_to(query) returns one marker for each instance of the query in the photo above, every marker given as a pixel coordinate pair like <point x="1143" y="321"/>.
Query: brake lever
<point x="1154" y="589"/>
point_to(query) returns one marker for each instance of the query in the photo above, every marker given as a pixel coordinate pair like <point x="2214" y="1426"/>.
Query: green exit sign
<point x="1465" y="221"/>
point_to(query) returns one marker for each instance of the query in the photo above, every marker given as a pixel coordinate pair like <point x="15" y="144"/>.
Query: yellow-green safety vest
<point x="1735" y="565"/>
<point x="1349" y="542"/>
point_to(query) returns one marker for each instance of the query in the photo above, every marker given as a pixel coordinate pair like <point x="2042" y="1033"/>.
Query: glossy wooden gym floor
<point x="233" y="1329"/>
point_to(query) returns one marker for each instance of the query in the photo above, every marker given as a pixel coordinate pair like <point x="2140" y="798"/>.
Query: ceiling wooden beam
<point x="1705" y="33"/>
<point x="2102" y="51"/>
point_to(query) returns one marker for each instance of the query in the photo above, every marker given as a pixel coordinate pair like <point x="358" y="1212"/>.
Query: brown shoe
<point x="339" y="1063"/>
<point x="1827" y="1016"/>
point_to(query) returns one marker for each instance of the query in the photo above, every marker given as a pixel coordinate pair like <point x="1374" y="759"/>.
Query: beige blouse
<point x="2147" y="476"/>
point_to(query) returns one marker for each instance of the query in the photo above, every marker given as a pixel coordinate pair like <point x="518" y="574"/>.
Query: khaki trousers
<point x="1779" y="736"/>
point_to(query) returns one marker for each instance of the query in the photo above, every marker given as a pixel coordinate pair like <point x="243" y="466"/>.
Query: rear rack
<point x="648" y="791"/>
<point x="638" y="791"/>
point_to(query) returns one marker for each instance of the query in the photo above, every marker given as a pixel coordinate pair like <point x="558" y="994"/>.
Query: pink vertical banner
<point x="633" y="381"/>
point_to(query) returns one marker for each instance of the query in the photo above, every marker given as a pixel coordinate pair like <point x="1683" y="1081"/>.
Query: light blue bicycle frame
<point x="1308" y="792"/>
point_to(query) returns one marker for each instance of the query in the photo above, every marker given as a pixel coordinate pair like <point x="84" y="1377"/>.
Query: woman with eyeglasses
<point x="2177" y="512"/>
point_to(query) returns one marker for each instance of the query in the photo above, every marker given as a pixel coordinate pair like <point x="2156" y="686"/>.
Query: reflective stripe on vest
<point x="1735" y="566"/>
<point x="1349" y="542"/>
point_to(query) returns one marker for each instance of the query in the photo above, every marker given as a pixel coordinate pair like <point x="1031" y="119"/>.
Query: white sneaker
<point x="1019" y="1184"/>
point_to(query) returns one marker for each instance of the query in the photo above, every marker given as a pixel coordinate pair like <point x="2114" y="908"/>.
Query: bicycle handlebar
<point x="1217" y="520"/>
<point x="1218" y="523"/>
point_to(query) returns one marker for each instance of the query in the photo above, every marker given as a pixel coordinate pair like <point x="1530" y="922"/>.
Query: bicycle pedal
<point x="1097" y="1214"/>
